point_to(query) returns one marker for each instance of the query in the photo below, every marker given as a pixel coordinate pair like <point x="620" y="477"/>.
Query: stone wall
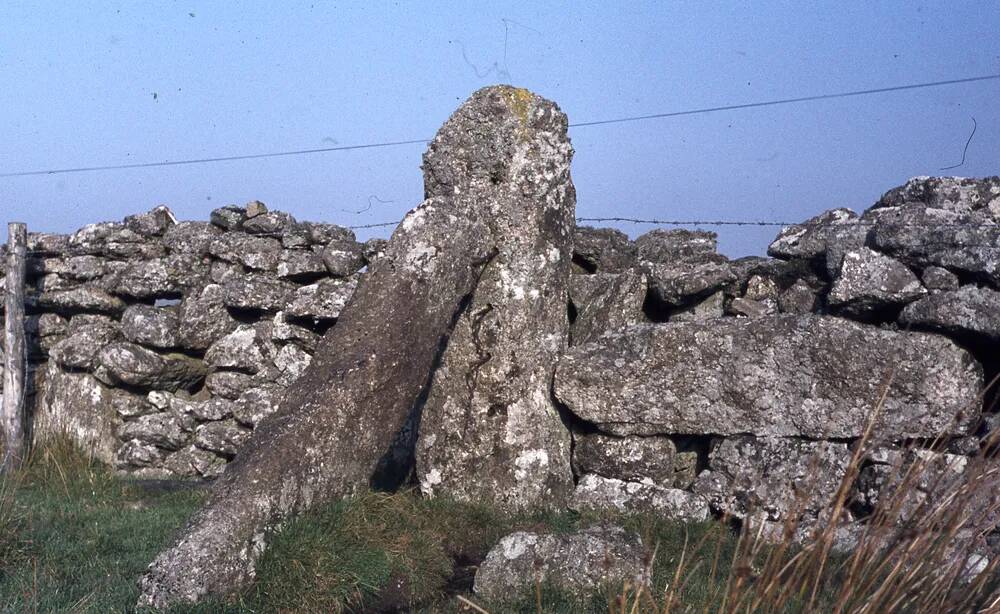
<point x="159" y="345"/>
<point x="692" y="384"/>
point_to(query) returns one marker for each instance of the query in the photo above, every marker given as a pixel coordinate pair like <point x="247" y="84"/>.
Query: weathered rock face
<point x="579" y="563"/>
<point x="802" y="376"/>
<point x="133" y="365"/>
<point x="78" y="406"/>
<point x="151" y="326"/>
<point x="773" y="478"/>
<point x="594" y="492"/>
<point x="625" y="458"/>
<point x="968" y="313"/>
<point x="604" y="302"/>
<point x="870" y="282"/>
<point x="602" y="250"/>
<point x="489" y="411"/>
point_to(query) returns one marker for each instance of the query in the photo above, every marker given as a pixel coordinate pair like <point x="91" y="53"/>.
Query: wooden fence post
<point x="15" y="358"/>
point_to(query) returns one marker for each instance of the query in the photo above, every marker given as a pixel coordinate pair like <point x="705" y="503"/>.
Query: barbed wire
<point x="833" y="227"/>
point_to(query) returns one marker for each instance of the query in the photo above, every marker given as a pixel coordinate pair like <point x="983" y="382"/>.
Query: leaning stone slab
<point x="340" y="418"/>
<point x="205" y="317"/>
<point x="579" y="563"/>
<point x="969" y="312"/>
<point x="805" y="376"/>
<point x="812" y="239"/>
<point x="594" y="492"/>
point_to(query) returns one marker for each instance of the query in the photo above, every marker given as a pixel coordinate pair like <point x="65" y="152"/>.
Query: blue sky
<point x="95" y="83"/>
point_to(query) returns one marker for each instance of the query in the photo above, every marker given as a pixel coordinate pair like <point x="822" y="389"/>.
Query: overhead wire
<point x="601" y="122"/>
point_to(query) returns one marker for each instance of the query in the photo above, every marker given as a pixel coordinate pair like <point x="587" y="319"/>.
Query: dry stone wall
<point x="159" y="345"/>
<point x="688" y="383"/>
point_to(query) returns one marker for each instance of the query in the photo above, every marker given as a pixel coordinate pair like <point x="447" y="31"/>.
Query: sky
<point x="107" y="83"/>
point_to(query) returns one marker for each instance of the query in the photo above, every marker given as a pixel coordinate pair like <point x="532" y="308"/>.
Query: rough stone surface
<point x="578" y="563"/>
<point x="673" y="246"/>
<point x="81" y="300"/>
<point x="257" y="292"/>
<point x="605" y="301"/>
<point x="78" y="406"/>
<point x="152" y="223"/>
<point x="708" y="308"/>
<point x="323" y="300"/>
<point x="602" y="250"/>
<point x="230" y="217"/>
<point x="806" y="376"/>
<point x="594" y="492"/>
<point x="343" y="257"/>
<point x="151" y="326"/>
<point x="300" y="265"/>
<point x="772" y="477"/>
<point x="194" y="462"/>
<point x="248" y="349"/>
<point x="133" y="365"/>
<point x="969" y="312"/>
<point x="164" y="430"/>
<point x="812" y="239"/>
<point x="625" y="458"/>
<point x="938" y="278"/>
<point x="205" y="318"/>
<point x="79" y="350"/>
<point x="870" y="282"/>
<point x="489" y="411"/>
<point x="190" y="238"/>
<point x="967" y="243"/>
<point x="221" y="437"/>
<point x="255" y="404"/>
<point x="253" y="252"/>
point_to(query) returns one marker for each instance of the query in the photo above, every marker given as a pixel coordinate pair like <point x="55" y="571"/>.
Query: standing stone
<point x="490" y="412"/>
<point x="369" y="371"/>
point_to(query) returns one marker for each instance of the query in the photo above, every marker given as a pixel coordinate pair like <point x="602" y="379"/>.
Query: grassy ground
<point x="74" y="538"/>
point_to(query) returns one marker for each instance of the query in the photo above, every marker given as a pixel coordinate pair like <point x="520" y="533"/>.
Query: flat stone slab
<point x="791" y="375"/>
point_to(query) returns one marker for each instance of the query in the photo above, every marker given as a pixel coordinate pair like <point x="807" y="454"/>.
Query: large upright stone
<point x="337" y="422"/>
<point x="790" y="376"/>
<point x="490" y="413"/>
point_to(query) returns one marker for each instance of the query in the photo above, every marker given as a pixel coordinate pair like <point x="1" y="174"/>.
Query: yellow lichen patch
<point x="519" y="100"/>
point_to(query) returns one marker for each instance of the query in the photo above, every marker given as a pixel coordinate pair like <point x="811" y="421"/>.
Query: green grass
<point x="76" y="539"/>
<point x="73" y="538"/>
